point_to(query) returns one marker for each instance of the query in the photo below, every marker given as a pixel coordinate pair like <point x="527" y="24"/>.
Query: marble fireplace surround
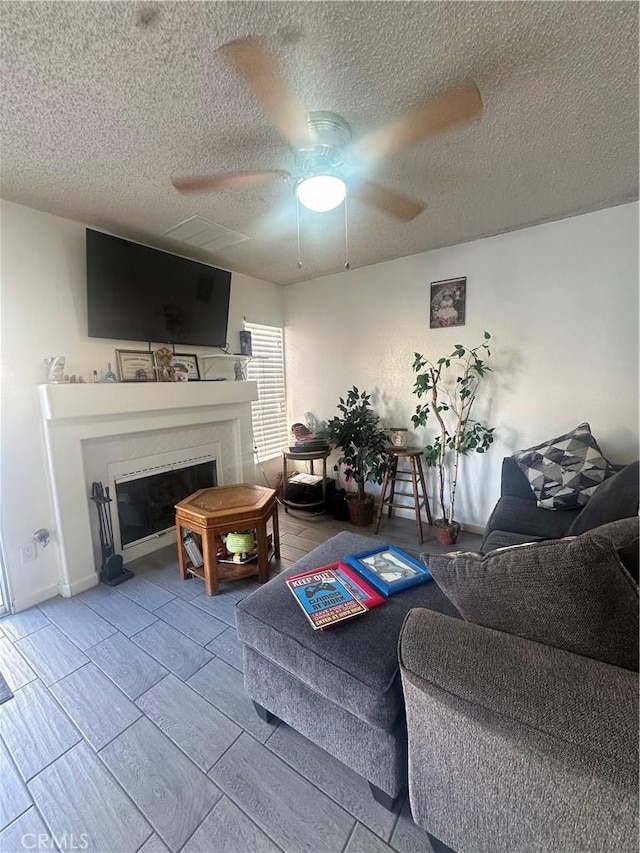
<point x="79" y="419"/>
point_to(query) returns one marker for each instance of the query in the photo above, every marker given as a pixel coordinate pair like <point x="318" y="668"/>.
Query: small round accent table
<point x="228" y="509"/>
<point x="308" y="456"/>
<point x="415" y="476"/>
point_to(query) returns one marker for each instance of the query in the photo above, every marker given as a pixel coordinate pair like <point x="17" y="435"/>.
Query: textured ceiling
<point x="103" y="103"/>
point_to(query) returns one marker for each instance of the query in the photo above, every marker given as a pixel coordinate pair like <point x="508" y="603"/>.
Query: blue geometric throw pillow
<point x="565" y="471"/>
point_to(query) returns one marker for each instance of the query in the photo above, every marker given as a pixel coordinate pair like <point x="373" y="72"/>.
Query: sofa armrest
<point x="514" y="745"/>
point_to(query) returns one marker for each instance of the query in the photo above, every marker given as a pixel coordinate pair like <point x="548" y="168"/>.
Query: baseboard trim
<point x="37" y="597"/>
<point x="409" y="513"/>
<point x="69" y="590"/>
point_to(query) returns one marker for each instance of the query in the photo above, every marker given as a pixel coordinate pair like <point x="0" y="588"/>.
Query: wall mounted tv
<point x="135" y="293"/>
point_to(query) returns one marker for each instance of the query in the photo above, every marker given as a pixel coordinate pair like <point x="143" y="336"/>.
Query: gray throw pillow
<point x="573" y="594"/>
<point x="565" y="471"/>
<point x="616" y="497"/>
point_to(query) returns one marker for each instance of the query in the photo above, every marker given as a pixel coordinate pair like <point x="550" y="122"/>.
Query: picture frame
<point x="188" y="360"/>
<point x="447" y="303"/>
<point x="389" y="569"/>
<point x="136" y="365"/>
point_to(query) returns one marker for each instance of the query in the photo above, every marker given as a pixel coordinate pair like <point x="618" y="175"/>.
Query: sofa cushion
<point x="616" y="497"/>
<point x="354" y="664"/>
<point x="504" y="539"/>
<point x="519" y="515"/>
<point x="565" y="471"/>
<point x="573" y="594"/>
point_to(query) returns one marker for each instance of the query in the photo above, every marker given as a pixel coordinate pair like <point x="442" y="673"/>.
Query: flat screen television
<point x="135" y="293"/>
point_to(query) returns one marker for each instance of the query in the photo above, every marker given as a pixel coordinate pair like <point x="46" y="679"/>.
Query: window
<point x="267" y="369"/>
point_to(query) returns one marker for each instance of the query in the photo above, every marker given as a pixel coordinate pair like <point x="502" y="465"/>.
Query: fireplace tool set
<point x="113" y="570"/>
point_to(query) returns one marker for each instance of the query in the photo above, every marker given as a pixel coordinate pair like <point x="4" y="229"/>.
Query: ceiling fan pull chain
<point x="347" y="265"/>
<point x="299" y="264"/>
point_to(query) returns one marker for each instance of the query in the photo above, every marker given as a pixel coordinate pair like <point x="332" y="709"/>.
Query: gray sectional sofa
<point x="517" y="518"/>
<point x="505" y="692"/>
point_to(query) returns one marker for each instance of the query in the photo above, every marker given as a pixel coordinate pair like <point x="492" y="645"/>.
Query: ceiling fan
<point x="326" y="160"/>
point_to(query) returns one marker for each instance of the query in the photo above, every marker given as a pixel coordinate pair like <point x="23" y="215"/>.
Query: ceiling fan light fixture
<point x="321" y="193"/>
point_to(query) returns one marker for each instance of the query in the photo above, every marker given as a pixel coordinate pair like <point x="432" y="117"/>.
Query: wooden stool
<point x="414" y="475"/>
<point x="227" y="509"/>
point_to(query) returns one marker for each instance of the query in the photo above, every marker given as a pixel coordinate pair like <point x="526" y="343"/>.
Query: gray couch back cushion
<point x="616" y="498"/>
<point x="572" y="594"/>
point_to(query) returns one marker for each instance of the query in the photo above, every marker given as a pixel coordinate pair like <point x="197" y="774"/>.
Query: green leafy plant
<point x="451" y="384"/>
<point x="356" y="431"/>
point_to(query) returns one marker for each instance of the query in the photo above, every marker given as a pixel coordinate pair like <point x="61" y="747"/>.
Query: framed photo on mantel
<point x="186" y="367"/>
<point x="136" y="366"/>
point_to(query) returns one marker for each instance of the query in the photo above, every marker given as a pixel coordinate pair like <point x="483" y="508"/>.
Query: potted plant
<point x="451" y="385"/>
<point x="357" y="433"/>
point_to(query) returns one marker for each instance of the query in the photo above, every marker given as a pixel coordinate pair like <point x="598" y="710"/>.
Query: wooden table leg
<point x="385" y="483"/>
<point x="416" y="496"/>
<point x="392" y="476"/>
<point x="276" y="532"/>
<point x="263" y="551"/>
<point x="210" y="558"/>
<point x="181" y="562"/>
<point x="424" y="490"/>
<point x="284" y="483"/>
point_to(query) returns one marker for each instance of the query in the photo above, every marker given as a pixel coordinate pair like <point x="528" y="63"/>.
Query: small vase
<point x="446" y="533"/>
<point x="55" y="368"/>
<point x="398" y="436"/>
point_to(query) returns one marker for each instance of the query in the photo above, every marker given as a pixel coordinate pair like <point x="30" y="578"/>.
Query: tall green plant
<point x="451" y="385"/>
<point x="358" y="435"/>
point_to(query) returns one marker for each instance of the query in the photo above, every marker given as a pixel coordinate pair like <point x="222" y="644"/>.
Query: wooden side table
<point x="227" y="509"/>
<point x="415" y="476"/>
<point x="309" y="456"/>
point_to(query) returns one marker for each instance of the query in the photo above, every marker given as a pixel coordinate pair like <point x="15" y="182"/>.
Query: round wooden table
<point x="308" y="456"/>
<point x="228" y="509"/>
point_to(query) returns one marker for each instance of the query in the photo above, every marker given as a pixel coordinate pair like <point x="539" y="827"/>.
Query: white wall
<point x="561" y="302"/>
<point x="43" y="302"/>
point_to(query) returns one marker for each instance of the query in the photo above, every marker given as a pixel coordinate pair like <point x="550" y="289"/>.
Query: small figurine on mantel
<point x="166" y="371"/>
<point x="55" y="368"/>
<point x="110" y="375"/>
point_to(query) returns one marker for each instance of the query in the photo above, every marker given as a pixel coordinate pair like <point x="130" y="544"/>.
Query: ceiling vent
<point x="202" y="234"/>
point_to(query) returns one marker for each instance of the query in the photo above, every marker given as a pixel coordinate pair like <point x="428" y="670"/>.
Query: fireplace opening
<point x="146" y="504"/>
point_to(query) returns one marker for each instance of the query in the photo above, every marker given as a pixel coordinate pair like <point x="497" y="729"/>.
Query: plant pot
<point x="361" y="512"/>
<point x="446" y="533"/>
<point x="339" y="507"/>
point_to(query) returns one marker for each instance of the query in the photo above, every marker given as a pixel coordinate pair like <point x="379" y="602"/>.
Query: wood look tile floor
<point x="105" y="748"/>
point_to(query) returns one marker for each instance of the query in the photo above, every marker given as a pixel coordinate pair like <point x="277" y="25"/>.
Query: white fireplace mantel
<point x="107" y="399"/>
<point x="75" y="414"/>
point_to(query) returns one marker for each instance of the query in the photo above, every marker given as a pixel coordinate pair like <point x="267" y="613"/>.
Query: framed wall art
<point x="447" y="303"/>
<point x="136" y="366"/>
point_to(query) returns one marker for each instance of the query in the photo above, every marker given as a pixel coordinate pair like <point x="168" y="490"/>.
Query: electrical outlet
<point x="28" y="552"/>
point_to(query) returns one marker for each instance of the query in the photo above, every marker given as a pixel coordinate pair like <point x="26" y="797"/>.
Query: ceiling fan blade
<point x="228" y="180"/>
<point x="388" y="201"/>
<point x="263" y="75"/>
<point x="448" y="111"/>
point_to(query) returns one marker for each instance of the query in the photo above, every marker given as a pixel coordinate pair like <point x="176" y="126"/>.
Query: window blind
<point x="268" y="413"/>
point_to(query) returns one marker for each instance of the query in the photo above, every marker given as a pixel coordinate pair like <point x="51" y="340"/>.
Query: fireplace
<point x="145" y="498"/>
<point x="106" y="432"/>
